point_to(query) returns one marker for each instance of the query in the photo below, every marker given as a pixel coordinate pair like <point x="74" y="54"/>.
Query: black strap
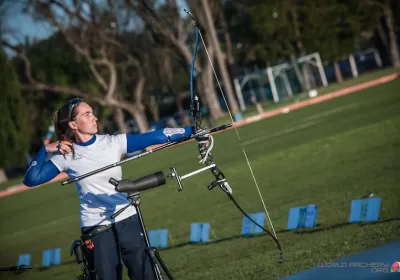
<point x="90" y="232"/>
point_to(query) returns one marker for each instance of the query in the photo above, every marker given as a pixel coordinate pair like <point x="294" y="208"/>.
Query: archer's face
<point x="85" y="122"/>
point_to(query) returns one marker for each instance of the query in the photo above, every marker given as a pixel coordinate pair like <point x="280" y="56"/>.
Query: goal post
<point x="314" y="59"/>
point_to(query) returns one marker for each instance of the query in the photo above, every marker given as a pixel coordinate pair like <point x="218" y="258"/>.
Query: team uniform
<point x="122" y="237"/>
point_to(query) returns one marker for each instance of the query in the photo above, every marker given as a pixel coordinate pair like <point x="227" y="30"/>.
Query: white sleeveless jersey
<point x="98" y="199"/>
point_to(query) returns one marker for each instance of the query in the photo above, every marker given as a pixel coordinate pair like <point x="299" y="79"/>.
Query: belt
<point x="89" y="232"/>
<point x="92" y="231"/>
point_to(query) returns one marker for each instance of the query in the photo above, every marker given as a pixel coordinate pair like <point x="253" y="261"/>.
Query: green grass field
<point x="326" y="154"/>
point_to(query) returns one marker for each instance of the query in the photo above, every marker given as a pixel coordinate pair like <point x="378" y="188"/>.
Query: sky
<point x="23" y="25"/>
<point x="26" y="26"/>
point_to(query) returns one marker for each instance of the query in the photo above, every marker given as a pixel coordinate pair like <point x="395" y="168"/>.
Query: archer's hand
<point x="64" y="147"/>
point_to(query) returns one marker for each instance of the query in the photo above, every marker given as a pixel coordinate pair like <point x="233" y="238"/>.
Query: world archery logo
<point x="395" y="267"/>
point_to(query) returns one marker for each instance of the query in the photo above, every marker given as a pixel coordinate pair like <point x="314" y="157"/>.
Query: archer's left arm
<point x="137" y="142"/>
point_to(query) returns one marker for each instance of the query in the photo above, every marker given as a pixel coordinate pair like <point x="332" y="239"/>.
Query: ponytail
<point x="61" y="119"/>
<point x="57" y="129"/>
<point x="61" y="128"/>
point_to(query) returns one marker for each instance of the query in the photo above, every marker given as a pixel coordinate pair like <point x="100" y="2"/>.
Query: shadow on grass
<point x="65" y="263"/>
<point x="340" y="225"/>
<point x="319" y="228"/>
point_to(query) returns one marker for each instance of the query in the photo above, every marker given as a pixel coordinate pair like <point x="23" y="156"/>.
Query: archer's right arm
<point x="41" y="171"/>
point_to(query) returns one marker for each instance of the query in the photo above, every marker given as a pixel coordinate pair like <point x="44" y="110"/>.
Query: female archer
<point x="79" y="150"/>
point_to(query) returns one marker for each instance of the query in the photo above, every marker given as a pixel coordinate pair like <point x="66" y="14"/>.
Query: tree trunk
<point x="234" y="108"/>
<point x="168" y="74"/>
<point x="139" y="114"/>
<point x="207" y="85"/>
<point x="207" y="88"/>
<point x="138" y="111"/>
<point x="300" y="48"/>
<point x="356" y="39"/>
<point x="394" y="50"/>
<point x="3" y="176"/>
<point x="382" y="34"/>
<point x="229" y="49"/>
<point x="119" y="119"/>
<point x="153" y="107"/>
<point x="338" y="72"/>
<point x="297" y="72"/>
<point x="185" y="120"/>
<point x="306" y="76"/>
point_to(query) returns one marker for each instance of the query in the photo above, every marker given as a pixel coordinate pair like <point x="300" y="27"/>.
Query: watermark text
<point x="375" y="267"/>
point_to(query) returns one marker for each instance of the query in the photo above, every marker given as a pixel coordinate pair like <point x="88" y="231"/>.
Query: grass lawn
<point x="326" y="154"/>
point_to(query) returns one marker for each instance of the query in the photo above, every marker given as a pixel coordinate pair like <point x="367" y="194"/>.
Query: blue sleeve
<point x="40" y="171"/>
<point x="136" y="142"/>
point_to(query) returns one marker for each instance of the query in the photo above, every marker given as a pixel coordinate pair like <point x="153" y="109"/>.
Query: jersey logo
<point x="32" y="164"/>
<point x="171" y="131"/>
<point x="77" y="156"/>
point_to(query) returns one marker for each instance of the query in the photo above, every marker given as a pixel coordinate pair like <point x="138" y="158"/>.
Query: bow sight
<point x="222" y="183"/>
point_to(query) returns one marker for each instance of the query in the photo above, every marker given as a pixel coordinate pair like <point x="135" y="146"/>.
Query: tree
<point x="53" y="60"/>
<point x="14" y="136"/>
<point x="91" y="29"/>
<point x="176" y="33"/>
<point x="387" y="9"/>
<point x="257" y="34"/>
<point x="339" y="34"/>
<point x="294" y="25"/>
<point x="330" y="37"/>
<point x="228" y="44"/>
<point x="209" y="23"/>
<point x="389" y="19"/>
<point x="167" y="72"/>
<point x="280" y="24"/>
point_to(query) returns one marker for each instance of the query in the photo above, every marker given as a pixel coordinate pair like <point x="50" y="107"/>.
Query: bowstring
<point x="237" y="133"/>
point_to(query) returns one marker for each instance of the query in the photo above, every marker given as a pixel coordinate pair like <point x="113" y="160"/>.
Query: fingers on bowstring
<point x="65" y="147"/>
<point x="65" y="142"/>
<point x="63" y="151"/>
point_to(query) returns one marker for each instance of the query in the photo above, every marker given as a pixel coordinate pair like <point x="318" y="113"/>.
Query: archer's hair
<point x="62" y="117"/>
